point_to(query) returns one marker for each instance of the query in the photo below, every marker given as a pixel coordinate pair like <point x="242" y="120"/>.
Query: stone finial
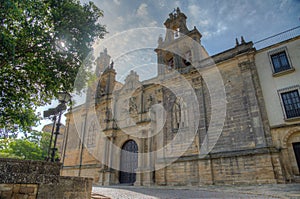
<point x="177" y="10"/>
<point x="242" y="40"/>
<point x="236" y="42"/>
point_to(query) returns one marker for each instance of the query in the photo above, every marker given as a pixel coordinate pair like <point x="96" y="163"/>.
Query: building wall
<point x="284" y="131"/>
<point x="271" y="84"/>
<point x="242" y="169"/>
<point x="242" y="152"/>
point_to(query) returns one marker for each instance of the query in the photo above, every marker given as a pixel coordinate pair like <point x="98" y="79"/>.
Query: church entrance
<point x="129" y="162"/>
<point x="296" y="147"/>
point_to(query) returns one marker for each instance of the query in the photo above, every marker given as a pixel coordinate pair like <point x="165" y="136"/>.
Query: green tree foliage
<point x="33" y="147"/>
<point x="43" y="45"/>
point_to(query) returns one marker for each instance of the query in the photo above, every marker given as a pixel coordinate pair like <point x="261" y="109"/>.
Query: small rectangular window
<point x="171" y="63"/>
<point x="280" y="62"/>
<point x="176" y="33"/>
<point x="291" y="103"/>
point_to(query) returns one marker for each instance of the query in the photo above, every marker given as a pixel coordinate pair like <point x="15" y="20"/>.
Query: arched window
<point x="171" y="63"/>
<point x="92" y="134"/>
<point x="176" y="33"/>
<point x="187" y="60"/>
<point x="176" y="115"/>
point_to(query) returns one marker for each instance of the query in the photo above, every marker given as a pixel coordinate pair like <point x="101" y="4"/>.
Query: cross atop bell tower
<point x="176" y="25"/>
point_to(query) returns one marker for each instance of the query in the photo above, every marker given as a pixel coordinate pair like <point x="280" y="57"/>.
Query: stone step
<point x="296" y="179"/>
<point x="98" y="196"/>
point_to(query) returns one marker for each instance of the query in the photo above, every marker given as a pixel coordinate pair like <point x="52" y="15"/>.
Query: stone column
<point x="140" y="169"/>
<point x="110" y="172"/>
<point x="148" y="170"/>
<point x="104" y="162"/>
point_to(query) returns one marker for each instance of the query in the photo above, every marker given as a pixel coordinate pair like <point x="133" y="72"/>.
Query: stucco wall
<point x="271" y="84"/>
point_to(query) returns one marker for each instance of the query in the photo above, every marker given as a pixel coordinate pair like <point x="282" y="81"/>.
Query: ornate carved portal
<point x="129" y="162"/>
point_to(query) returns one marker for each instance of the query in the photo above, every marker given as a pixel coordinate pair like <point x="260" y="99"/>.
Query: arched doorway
<point x="129" y="162"/>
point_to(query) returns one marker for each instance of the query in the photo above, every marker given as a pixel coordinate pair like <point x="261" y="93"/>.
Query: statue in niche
<point x="102" y="91"/>
<point x="176" y="115"/>
<point x="150" y="102"/>
<point x="92" y="134"/>
<point x="133" y="111"/>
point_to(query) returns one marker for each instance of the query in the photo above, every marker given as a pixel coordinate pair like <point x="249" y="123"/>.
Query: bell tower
<point x="104" y="83"/>
<point x="181" y="48"/>
<point x="176" y="25"/>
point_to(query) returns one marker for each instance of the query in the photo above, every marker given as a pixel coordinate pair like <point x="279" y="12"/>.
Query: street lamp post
<point x="63" y="98"/>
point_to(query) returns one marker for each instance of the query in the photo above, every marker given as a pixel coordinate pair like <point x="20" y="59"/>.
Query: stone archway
<point x="290" y="153"/>
<point x="129" y="162"/>
<point x="292" y="145"/>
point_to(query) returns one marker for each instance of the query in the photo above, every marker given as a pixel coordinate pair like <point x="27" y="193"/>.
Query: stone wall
<point x="28" y="191"/>
<point x="39" y="179"/>
<point x="284" y="137"/>
<point x="253" y="167"/>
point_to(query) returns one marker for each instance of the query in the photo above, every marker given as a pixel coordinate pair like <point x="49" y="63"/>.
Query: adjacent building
<point x="278" y="68"/>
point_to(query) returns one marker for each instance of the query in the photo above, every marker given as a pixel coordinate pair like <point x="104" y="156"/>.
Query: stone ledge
<point x="40" y="179"/>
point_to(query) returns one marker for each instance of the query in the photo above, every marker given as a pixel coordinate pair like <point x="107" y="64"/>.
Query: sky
<point x="135" y="25"/>
<point x="219" y="21"/>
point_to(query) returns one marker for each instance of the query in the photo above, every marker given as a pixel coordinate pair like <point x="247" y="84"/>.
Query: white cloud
<point x="177" y="3"/>
<point x="153" y="23"/>
<point x="194" y="10"/>
<point x="142" y="10"/>
<point x="161" y="3"/>
<point x="221" y="28"/>
<point x="282" y="4"/>
<point x="204" y="22"/>
<point x="118" y="2"/>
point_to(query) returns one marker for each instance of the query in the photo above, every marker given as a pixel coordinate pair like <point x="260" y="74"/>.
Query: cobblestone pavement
<point x="168" y="192"/>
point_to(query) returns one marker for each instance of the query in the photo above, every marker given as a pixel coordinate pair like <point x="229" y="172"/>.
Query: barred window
<point x="291" y="103"/>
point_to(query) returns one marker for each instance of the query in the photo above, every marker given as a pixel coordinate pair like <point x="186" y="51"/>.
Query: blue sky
<point x="219" y="21"/>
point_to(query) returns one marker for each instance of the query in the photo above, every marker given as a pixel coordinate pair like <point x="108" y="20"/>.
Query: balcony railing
<point x="282" y="36"/>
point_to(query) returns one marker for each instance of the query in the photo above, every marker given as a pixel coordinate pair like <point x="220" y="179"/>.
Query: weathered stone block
<point x="46" y="185"/>
<point x="26" y="190"/>
<point x="6" y="194"/>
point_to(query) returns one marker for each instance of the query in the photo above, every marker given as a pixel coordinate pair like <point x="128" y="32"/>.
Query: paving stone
<point x="163" y="192"/>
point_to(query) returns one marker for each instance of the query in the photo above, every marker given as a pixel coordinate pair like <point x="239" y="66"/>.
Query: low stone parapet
<point x="39" y="179"/>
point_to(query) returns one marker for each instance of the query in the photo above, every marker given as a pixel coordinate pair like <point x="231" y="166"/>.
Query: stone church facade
<point x="201" y="120"/>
